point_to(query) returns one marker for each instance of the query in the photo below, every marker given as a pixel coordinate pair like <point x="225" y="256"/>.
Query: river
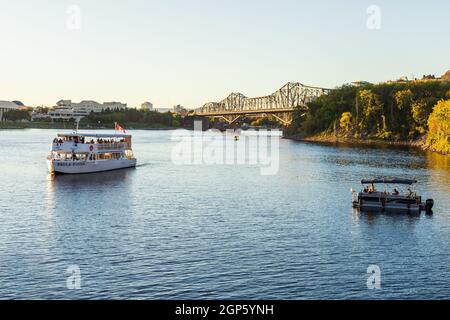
<point x="170" y="231"/>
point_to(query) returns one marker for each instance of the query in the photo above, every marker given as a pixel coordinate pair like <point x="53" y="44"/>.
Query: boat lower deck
<point x="77" y="167"/>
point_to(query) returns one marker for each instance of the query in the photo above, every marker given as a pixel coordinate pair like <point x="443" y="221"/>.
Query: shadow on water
<point x="92" y="179"/>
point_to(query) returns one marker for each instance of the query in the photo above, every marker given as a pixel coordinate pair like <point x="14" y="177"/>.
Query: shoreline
<point x="331" y="139"/>
<point x="58" y="126"/>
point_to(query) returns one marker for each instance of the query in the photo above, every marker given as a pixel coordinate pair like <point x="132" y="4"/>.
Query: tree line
<point x="133" y="117"/>
<point x="389" y="111"/>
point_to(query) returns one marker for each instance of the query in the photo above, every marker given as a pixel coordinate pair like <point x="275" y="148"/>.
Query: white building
<point x="91" y="106"/>
<point x="147" y="106"/>
<point x="67" y="113"/>
<point x="36" y="116"/>
<point x="66" y="109"/>
<point x="114" y="105"/>
<point x="6" y="106"/>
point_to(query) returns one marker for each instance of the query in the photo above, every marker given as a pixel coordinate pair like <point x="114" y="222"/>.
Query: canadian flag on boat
<point x="118" y="127"/>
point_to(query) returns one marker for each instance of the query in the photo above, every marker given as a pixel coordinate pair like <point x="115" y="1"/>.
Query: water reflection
<point x="370" y="217"/>
<point x="101" y="191"/>
<point x="171" y="232"/>
<point x="438" y="161"/>
<point x="88" y="180"/>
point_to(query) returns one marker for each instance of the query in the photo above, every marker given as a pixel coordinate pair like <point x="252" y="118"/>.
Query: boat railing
<point x="69" y="146"/>
<point x="111" y="146"/>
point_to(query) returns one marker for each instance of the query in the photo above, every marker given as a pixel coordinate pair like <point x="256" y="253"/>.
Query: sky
<point x="195" y="51"/>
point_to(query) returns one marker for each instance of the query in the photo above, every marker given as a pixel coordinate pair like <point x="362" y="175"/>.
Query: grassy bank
<point x="334" y="139"/>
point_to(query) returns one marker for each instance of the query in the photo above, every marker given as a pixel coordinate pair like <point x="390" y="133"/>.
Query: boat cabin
<point x="94" y="146"/>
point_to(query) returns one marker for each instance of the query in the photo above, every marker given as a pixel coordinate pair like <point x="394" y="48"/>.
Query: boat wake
<point x="142" y="165"/>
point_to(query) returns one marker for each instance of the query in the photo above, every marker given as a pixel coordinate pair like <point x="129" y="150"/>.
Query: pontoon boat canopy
<point x="388" y="180"/>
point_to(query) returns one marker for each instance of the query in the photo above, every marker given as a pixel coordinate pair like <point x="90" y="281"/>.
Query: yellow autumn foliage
<point x="439" y="127"/>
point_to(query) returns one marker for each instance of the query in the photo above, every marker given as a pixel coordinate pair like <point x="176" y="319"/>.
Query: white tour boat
<point x="90" y="152"/>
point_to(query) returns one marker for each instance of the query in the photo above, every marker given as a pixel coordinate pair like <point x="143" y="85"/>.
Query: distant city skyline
<point x="190" y="53"/>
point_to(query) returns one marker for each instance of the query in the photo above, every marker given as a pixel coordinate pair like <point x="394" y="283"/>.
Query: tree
<point x="372" y="111"/>
<point x="346" y="121"/>
<point x="420" y="111"/>
<point x="404" y="99"/>
<point x="439" y="127"/>
<point x="16" y="115"/>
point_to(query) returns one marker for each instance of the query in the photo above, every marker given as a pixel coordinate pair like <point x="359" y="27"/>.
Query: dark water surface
<point x="190" y="232"/>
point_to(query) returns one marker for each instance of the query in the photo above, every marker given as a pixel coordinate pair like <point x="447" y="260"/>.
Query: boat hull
<point x="387" y="202"/>
<point x="80" y="167"/>
<point x="398" y="207"/>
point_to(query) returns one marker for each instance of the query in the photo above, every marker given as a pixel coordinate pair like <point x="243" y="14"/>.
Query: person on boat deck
<point x="366" y="189"/>
<point x="395" y="192"/>
<point x="410" y="193"/>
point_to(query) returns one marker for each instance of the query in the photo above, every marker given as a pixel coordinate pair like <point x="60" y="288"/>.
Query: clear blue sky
<point x="191" y="52"/>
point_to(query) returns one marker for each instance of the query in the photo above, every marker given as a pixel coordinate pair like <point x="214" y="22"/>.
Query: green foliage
<point x="133" y="117"/>
<point x="17" y="115"/>
<point x="403" y="99"/>
<point x="421" y="110"/>
<point x="388" y="111"/>
<point x="372" y="111"/>
<point x="324" y="111"/>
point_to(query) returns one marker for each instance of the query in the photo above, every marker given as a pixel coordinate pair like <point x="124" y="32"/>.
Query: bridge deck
<point x="240" y="112"/>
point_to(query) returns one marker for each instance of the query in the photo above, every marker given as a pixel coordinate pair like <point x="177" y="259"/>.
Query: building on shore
<point x="360" y="83"/>
<point x="6" y="106"/>
<point x="39" y="116"/>
<point x="147" y="106"/>
<point x="162" y="110"/>
<point x="91" y="106"/>
<point x="179" y="109"/>
<point x="66" y="109"/>
<point x="425" y="78"/>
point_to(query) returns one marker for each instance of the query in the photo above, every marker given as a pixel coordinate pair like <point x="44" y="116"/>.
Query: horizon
<point x="189" y="54"/>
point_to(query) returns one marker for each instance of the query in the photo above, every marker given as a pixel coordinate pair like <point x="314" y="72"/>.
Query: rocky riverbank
<point x="333" y="139"/>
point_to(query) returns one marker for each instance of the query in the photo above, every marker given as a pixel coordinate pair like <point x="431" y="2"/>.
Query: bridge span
<point x="280" y="104"/>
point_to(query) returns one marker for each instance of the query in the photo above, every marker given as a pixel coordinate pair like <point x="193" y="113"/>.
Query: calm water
<point x="165" y="231"/>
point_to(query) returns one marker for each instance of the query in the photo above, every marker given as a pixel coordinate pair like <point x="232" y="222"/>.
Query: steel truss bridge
<point x="281" y="104"/>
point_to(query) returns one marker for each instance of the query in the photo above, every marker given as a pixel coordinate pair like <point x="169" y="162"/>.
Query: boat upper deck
<point x="91" y="143"/>
<point x="94" y="135"/>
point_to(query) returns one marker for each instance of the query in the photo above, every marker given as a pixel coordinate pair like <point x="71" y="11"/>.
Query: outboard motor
<point x="429" y="206"/>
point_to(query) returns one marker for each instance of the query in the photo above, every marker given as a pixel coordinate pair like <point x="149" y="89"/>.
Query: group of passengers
<point x="69" y="138"/>
<point x="106" y="141"/>
<point x="371" y="189"/>
<point x="82" y="140"/>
